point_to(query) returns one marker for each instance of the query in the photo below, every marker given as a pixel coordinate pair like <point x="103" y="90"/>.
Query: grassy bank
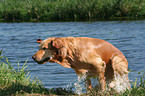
<point x="71" y="10"/>
<point x="16" y="82"/>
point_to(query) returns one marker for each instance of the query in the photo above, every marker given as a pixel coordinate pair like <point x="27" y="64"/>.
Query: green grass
<point x="16" y="82"/>
<point x="71" y="10"/>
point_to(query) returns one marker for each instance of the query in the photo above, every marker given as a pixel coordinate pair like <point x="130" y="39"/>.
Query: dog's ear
<point x="57" y="43"/>
<point x="39" y="40"/>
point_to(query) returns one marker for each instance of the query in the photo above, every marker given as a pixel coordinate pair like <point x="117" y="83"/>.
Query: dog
<point x="94" y="57"/>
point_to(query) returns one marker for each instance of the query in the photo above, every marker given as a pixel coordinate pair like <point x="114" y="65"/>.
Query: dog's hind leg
<point x="120" y="69"/>
<point x="119" y="65"/>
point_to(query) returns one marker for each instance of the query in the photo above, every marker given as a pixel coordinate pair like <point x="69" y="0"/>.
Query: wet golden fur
<point x="91" y="56"/>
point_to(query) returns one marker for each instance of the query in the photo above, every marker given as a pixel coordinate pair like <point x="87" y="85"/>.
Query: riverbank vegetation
<point x="70" y="10"/>
<point x="17" y="82"/>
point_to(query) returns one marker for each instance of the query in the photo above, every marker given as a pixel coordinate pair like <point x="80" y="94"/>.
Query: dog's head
<point x="49" y="50"/>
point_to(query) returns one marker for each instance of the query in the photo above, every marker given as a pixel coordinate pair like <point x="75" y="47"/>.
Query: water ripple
<point x="18" y="40"/>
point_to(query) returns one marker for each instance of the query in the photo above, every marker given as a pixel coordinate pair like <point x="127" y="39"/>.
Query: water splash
<point x="119" y="83"/>
<point x="79" y="85"/>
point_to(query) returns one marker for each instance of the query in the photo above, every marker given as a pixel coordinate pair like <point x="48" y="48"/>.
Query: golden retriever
<point x="93" y="57"/>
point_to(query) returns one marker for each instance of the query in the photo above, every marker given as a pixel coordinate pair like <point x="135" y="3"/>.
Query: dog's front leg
<point x="101" y="80"/>
<point x="88" y="84"/>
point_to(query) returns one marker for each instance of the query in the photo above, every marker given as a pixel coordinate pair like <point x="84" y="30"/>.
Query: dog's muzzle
<point x="40" y="62"/>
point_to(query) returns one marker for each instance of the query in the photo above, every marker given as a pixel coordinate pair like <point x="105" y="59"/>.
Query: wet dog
<point x="93" y="57"/>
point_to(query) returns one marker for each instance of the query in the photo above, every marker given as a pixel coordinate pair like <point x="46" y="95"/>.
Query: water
<point x="18" y="40"/>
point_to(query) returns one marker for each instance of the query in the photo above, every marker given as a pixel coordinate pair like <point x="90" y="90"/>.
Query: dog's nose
<point x="34" y="57"/>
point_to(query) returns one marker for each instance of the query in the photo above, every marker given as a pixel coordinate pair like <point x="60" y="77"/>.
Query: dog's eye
<point x="44" y="48"/>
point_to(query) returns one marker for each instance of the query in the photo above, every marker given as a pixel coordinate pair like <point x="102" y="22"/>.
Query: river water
<point x="18" y="40"/>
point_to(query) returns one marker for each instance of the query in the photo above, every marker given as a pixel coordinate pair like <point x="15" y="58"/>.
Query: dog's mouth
<point x="44" y="61"/>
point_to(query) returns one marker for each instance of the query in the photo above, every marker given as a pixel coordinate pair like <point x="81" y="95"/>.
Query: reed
<point x="70" y="10"/>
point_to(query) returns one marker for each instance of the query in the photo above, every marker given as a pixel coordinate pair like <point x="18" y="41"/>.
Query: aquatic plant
<point x="71" y="10"/>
